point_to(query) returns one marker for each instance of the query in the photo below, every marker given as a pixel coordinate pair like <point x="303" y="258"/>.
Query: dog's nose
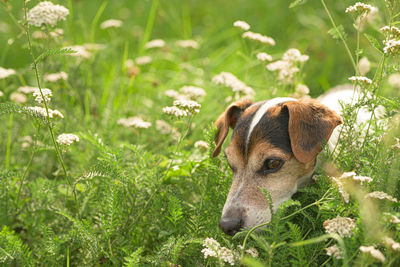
<point x="230" y="226"/>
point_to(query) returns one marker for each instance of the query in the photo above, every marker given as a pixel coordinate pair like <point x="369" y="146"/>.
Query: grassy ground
<point x="137" y="197"/>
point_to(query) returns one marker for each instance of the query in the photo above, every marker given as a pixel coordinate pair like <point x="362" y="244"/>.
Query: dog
<point x="274" y="146"/>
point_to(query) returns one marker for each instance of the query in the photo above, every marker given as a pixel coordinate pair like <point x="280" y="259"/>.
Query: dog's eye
<point x="271" y="165"/>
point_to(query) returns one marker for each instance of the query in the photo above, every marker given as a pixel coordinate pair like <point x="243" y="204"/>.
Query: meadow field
<point x="107" y="112"/>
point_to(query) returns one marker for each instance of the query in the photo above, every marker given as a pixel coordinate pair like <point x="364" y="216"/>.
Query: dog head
<point x="274" y="146"/>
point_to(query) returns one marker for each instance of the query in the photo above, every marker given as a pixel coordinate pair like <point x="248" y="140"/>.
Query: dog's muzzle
<point x="231" y="225"/>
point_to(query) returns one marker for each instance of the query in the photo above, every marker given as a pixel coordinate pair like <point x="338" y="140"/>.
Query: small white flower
<point x="360" y="8"/>
<point x="343" y="226"/>
<point x="143" y="60"/>
<point x="393" y="31"/>
<point x="27" y="89"/>
<point x="391" y="243"/>
<point x="302" y="89"/>
<point x="229" y="80"/>
<point x="334" y="251"/>
<point x="163" y="127"/>
<point x="202" y="145"/>
<point x="111" y="23"/>
<point x="134" y="122"/>
<point x="252" y="252"/>
<point x="394" y="80"/>
<point x="193" y="92"/>
<point x="227" y="255"/>
<point x="188" y="105"/>
<point x="18" y="97"/>
<point x="373" y="252"/>
<point x="54" y="77"/>
<point x="46" y="13"/>
<point x="4" y="73"/>
<point x="80" y="51"/>
<point x="364" y="66"/>
<point x="381" y="195"/>
<point x="46" y="94"/>
<point x="172" y="93"/>
<point x="361" y="79"/>
<point x="243" y="25"/>
<point x="156" y="43"/>
<point x="392" y="47"/>
<point x="187" y="44"/>
<point x="42" y="112"/>
<point x="258" y="37"/>
<point x="293" y="55"/>
<point x="1" y="93"/>
<point x="264" y="57"/>
<point x="175" y="111"/>
<point x="67" y="139"/>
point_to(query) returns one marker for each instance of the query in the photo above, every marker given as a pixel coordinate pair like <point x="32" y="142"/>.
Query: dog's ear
<point x="228" y="119"/>
<point x="310" y="125"/>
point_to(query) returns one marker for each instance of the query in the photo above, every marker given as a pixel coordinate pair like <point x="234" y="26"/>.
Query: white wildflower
<point x="202" y="145"/>
<point x="143" y="60"/>
<point x="156" y="43"/>
<point x="243" y="25"/>
<point x="227" y="255"/>
<point x="188" y="105"/>
<point x="54" y="77"/>
<point x="394" y="219"/>
<point x="134" y="122"/>
<point x="172" y="93"/>
<point x="111" y="23"/>
<point x="163" y="127"/>
<point x="27" y="89"/>
<point x="258" y="37"/>
<point x="264" y="57"/>
<point x="79" y="51"/>
<point x="394" y="80"/>
<point x="373" y="252"/>
<point x="293" y="55"/>
<point x="1" y="93"/>
<point x="393" y="31"/>
<point x="356" y="177"/>
<point x="391" y="243"/>
<point x="229" y="80"/>
<point x="343" y="226"/>
<point x="67" y="139"/>
<point x="175" y="111"/>
<point x="46" y="94"/>
<point x="193" y="92"/>
<point x="364" y="66"/>
<point x="392" y="47"/>
<point x="39" y="35"/>
<point x="342" y="191"/>
<point x="4" y="73"/>
<point x="252" y="251"/>
<point x="381" y="195"/>
<point x="18" y="97"/>
<point x="208" y="253"/>
<point x="288" y="65"/>
<point x="360" y="8"/>
<point x="302" y="89"/>
<point x="187" y="44"/>
<point x="335" y="252"/>
<point x="42" y="112"/>
<point x="361" y="79"/>
<point x="46" y="13"/>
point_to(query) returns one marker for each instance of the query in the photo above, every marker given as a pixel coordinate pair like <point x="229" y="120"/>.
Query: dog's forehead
<point x="265" y="122"/>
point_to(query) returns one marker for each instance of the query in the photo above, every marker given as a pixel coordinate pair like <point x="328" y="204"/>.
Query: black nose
<point x="230" y="226"/>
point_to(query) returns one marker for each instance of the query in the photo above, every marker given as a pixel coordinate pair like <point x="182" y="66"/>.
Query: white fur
<point x="262" y="110"/>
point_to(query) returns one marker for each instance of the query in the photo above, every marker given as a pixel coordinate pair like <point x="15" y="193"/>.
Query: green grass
<point x="137" y="197"/>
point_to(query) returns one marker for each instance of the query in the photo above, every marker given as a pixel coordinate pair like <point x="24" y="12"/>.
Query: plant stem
<point x="8" y="151"/>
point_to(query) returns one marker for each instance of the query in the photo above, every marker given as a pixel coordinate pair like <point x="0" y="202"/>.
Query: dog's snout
<point x="231" y="225"/>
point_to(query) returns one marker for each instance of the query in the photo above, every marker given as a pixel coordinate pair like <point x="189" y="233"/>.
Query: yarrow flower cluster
<point x="335" y="252"/>
<point x="301" y="90"/>
<point x="202" y="145"/>
<point x="187" y="44"/>
<point x="288" y="65"/>
<point x="343" y="226"/>
<point x="392" y="47"/>
<point x="361" y="79"/>
<point x="46" y="13"/>
<point x="373" y="252"/>
<point x="46" y="94"/>
<point x="111" y="23"/>
<point x="18" y="97"/>
<point x="67" y="139"/>
<point x="156" y="43"/>
<point x="175" y="111"/>
<point x="188" y="105"/>
<point x="391" y="243"/>
<point x="143" y="60"/>
<point x="229" y="80"/>
<point x="192" y="92"/>
<point x="134" y="122"/>
<point x="42" y="112"/>
<point x="381" y="195"/>
<point x="27" y="89"/>
<point x="360" y="8"/>
<point x="54" y="77"/>
<point x="4" y="73"/>
<point x="258" y="37"/>
<point x="243" y="25"/>
<point x="213" y="249"/>
<point x="163" y="127"/>
<point x="263" y="57"/>
<point x="393" y="31"/>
